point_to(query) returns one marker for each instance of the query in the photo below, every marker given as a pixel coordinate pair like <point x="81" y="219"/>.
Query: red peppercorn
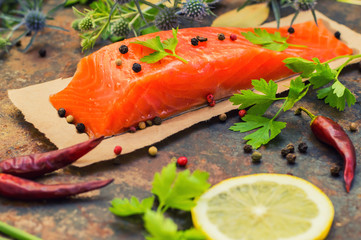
<point x="132" y="129"/>
<point x="242" y="113"/>
<point x="210" y="98"/>
<point x="233" y="37"/>
<point x="212" y="104"/>
<point x="182" y="161"/>
<point x="118" y="150"/>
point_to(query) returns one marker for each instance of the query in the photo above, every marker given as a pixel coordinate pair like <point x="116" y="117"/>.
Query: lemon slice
<point x="264" y="207"/>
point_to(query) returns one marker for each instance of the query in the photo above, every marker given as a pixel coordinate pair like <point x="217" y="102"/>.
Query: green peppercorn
<point x="149" y="122"/>
<point x="118" y="62"/>
<point x="152" y="151"/>
<point x="70" y="118"/>
<point x="247" y="148"/>
<point x="256" y="157"/>
<point x="157" y="121"/>
<point x="142" y="125"/>
<point x="291" y="158"/>
<point x="223" y="117"/>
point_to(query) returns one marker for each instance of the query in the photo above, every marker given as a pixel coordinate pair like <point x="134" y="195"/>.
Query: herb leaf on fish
<point x="160" y="48"/>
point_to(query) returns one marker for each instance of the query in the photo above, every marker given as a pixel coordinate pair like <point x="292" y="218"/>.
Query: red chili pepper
<point x="36" y="165"/>
<point x="329" y="132"/>
<point x="19" y="188"/>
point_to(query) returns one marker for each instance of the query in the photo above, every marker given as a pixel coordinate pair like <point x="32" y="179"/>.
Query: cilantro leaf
<point x="178" y="190"/>
<point x="268" y="40"/>
<point x="267" y="130"/>
<point x="259" y="102"/>
<point x="161" y="228"/>
<point x="323" y="75"/>
<point x="125" y="207"/>
<point x="160" y="47"/>
<point x="300" y="65"/>
<point x="336" y="96"/>
<point x="296" y="92"/>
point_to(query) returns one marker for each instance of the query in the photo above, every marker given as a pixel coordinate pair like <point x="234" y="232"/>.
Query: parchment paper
<point x="34" y="103"/>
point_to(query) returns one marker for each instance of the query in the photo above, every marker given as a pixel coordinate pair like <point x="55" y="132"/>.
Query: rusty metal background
<point x="209" y="146"/>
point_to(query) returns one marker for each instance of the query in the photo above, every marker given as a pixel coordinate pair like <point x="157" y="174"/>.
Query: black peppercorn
<point x="137" y="67"/>
<point x="157" y="121"/>
<point x="18" y="43"/>
<point x="42" y="52"/>
<point x="61" y="112"/>
<point x="221" y="36"/>
<point x="335" y="171"/>
<point x="201" y="39"/>
<point x="123" y="49"/>
<point x="247" y="148"/>
<point x="337" y="35"/>
<point x="80" y="127"/>
<point x="284" y="152"/>
<point x="290" y="147"/>
<point x="194" y="41"/>
<point x="291" y="158"/>
<point x="28" y="34"/>
<point x="302" y="147"/>
<point x="291" y="30"/>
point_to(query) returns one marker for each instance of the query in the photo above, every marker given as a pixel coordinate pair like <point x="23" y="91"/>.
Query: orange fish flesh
<point x="109" y="99"/>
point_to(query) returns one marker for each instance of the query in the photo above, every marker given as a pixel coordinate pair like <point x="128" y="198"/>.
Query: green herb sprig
<point x="320" y="75"/>
<point x="174" y="190"/>
<point x="268" y="40"/>
<point x="160" y="48"/>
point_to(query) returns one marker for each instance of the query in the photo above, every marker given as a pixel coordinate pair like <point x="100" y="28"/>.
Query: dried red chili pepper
<point x="36" y="165"/>
<point x="329" y="132"/>
<point x="23" y="189"/>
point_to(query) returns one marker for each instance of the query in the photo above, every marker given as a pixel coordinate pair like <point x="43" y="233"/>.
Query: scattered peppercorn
<point x="28" y="34"/>
<point x="118" y="150"/>
<point x="291" y="30"/>
<point x="291" y="147"/>
<point x="149" y="122"/>
<point x="132" y="129"/>
<point x="353" y="127"/>
<point x="201" y="39"/>
<point x="42" y="52"/>
<point x="61" y="112"/>
<point x="284" y="152"/>
<point x="302" y="147"/>
<point x="137" y="67"/>
<point x="212" y="104"/>
<point x="182" y="161"/>
<point x="210" y="98"/>
<point x="152" y="151"/>
<point x="256" y="157"/>
<point x="18" y="43"/>
<point x="233" y="37"/>
<point x="242" y="113"/>
<point x="194" y="41"/>
<point x="335" y="171"/>
<point x="123" y="49"/>
<point x="70" y="119"/>
<point x="247" y="148"/>
<point x="118" y="62"/>
<point x="291" y="158"/>
<point x="142" y="125"/>
<point x="337" y="35"/>
<point x="80" y="127"/>
<point x="157" y="121"/>
<point x="221" y="36"/>
<point x="223" y="117"/>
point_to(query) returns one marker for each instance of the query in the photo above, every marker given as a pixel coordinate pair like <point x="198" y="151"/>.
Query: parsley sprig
<point x="174" y="190"/>
<point x="320" y="75"/>
<point x="268" y="40"/>
<point x="160" y="48"/>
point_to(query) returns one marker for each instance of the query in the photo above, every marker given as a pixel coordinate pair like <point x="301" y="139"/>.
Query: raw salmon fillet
<point x="108" y="99"/>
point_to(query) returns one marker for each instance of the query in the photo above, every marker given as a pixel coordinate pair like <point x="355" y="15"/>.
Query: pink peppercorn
<point x="182" y="161"/>
<point x="212" y="104"/>
<point x="118" y="150"/>
<point x="233" y="37"/>
<point x="210" y="98"/>
<point x="242" y="113"/>
<point x="132" y="129"/>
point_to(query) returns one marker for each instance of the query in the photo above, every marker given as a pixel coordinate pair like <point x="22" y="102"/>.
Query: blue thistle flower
<point x="35" y="20"/>
<point x="195" y="9"/>
<point x="166" y="19"/>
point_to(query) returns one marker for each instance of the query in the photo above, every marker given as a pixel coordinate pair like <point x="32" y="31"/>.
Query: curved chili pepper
<point x="36" y="165"/>
<point x="23" y="189"/>
<point x="329" y="132"/>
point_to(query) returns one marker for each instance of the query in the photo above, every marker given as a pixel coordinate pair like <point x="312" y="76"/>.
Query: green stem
<point x="16" y="233"/>
<point x="339" y="69"/>
<point x="180" y="58"/>
<point x="298" y="46"/>
<point x="279" y="111"/>
<point x="300" y="109"/>
<point x="344" y="56"/>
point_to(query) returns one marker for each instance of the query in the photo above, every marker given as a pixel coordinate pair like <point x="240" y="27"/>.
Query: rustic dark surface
<point x="209" y="146"/>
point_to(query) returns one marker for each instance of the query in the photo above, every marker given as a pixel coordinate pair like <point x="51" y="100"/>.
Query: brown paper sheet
<point x="34" y="103"/>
